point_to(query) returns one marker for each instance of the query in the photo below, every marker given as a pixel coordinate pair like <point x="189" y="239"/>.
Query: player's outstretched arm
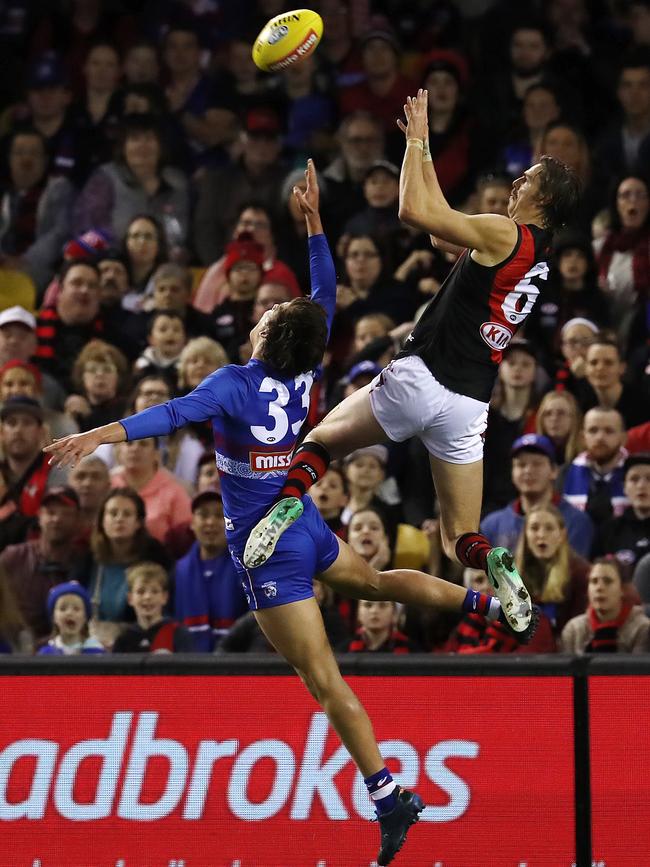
<point x="68" y="451"/>
<point x="423" y="205"/>
<point x="321" y="265"/>
<point x="309" y="201"/>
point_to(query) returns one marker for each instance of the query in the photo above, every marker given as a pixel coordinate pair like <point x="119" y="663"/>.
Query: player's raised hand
<point x="416" y="112"/>
<point x="68" y="451"/>
<point x="309" y="200"/>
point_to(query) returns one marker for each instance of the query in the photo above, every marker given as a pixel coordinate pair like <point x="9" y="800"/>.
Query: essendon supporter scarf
<point x="475" y="634"/>
<point x="638" y="243"/>
<point x="605" y="638"/>
<point x="395" y="643"/>
<point x="164" y="639"/>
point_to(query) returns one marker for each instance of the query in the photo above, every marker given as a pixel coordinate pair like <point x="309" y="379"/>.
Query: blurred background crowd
<point x="147" y="223"/>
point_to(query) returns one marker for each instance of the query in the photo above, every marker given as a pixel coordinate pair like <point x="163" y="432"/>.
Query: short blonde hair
<point x="214" y="351"/>
<point x="148" y="572"/>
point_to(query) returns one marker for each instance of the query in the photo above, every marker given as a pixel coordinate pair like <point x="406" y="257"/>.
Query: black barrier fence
<point x="586" y="673"/>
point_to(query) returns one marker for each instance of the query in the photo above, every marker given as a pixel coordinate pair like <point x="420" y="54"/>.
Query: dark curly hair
<point x="295" y="337"/>
<point x="560" y="190"/>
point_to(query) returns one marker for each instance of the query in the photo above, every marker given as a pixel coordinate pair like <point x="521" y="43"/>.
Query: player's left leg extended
<point x="460" y="491"/>
<point x="351" y="576"/>
<point x="296" y="631"/>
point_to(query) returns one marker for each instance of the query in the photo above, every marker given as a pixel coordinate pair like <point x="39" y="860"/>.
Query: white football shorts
<point x="408" y="401"/>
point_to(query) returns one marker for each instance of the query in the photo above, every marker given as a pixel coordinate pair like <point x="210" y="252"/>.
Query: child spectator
<point x="611" y="624"/>
<point x="330" y="496"/>
<point x="208" y="596"/>
<point x="166" y="337"/>
<point x="148" y="594"/>
<point x="244" y="269"/>
<point x="367" y="535"/>
<point x="377" y="631"/>
<point x="476" y="634"/>
<point x="15" y="637"/>
<point x="369" y="328"/>
<point x="556" y="577"/>
<point x="172" y="290"/>
<point x="69" y="609"/>
<point x="100" y="377"/>
<point x="365" y="472"/>
<point x="559" y="418"/>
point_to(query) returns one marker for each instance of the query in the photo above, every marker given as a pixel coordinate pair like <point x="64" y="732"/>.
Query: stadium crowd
<point x="147" y="223"/>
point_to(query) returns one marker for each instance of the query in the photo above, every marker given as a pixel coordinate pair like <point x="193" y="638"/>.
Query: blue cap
<point x="73" y="587"/>
<point x="534" y="443"/>
<point x="363" y="368"/>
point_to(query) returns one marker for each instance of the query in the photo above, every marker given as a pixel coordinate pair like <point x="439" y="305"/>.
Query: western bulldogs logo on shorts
<point x="270" y="589"/>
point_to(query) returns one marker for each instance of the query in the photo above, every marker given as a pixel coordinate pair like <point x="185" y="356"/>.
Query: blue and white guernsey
<point x="256" y="417"/>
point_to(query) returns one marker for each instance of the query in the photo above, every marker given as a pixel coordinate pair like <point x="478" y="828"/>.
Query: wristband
<point x="426" y="153"/>
<point x="415" y="141"/>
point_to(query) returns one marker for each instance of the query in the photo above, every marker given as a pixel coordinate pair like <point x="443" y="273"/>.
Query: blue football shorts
<point x="305" y="549"/>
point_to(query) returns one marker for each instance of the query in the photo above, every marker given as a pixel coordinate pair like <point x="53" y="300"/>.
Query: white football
<point x="287" y="39"/>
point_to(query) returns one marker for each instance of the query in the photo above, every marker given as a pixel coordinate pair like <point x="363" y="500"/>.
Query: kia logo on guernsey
<point x="496" y="336"/>
<point x="298" y="780"/>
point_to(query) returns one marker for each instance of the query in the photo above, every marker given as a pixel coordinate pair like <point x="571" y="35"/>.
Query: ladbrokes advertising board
<point x="159" y="771"/>
<point x="619" y="721"/>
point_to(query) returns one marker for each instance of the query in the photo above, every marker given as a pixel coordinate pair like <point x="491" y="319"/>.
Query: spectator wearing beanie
<point x="244" y="269"/>
<point x="70" y="610"/>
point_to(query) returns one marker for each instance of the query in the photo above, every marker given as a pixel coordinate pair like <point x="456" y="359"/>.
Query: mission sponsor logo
<point x="496" y="336"/>
<point x="262" y="462"/>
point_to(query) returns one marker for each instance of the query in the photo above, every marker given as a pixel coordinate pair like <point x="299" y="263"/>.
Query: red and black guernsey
<point x="464" y="330"/>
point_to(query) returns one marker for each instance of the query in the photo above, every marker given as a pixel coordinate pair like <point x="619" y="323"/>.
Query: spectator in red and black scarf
<point x="377" y="632"/>
<point x="476" y="634"/>
<point x="64" y="329"/>
<point x="612" y="622"/>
